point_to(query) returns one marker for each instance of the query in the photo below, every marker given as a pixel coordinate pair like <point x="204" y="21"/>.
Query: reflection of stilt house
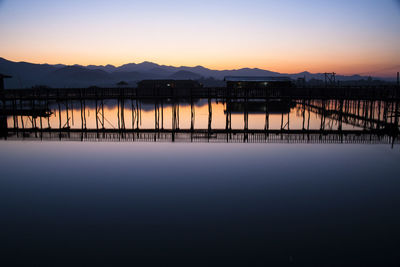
<point x="251" y="85"/>
<point x="257" y="107"/>
<point x="167" y="87"/>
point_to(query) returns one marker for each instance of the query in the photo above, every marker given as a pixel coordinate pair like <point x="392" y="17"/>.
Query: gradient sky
<point x="346" y="36"/>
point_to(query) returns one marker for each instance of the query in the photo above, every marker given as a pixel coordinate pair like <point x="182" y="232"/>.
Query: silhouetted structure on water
<point x="375" y="110"/>
<point x="374" y="122"/>
<point x="2" y="77"/>
<point x="236" y="88"/>
<point x="240" y="82"/>
<point x="167" y="87"/>
<point x="259" y="107"/>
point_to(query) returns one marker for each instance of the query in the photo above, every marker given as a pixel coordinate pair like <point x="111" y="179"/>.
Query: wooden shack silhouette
<point x="273" y="86"/>
<point x="2" y="77"/>
<point x="248" y="82"/>
<point x="181" y="88"/>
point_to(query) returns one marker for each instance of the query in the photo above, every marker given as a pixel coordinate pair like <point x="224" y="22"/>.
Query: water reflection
<point x="204" y="120"/>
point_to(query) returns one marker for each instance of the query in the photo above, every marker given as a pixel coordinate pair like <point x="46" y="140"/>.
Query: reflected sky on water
<point x="216" y="203"/>
<point x="148" y="112"/>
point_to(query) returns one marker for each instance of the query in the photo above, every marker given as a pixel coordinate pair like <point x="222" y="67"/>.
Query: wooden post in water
<point x="133" y="114"/>
<point x="372" y="114"/>
<point x="81" y="113"/>
<point x="365" y="107"/>
<point x="22" y="117"/>
<point x="41" y="128"/>
<point x="162" y="113"/>
<point x="72" y="113"/>
<point x="102" y="113"/>
<point x="192" y="114"/>
<point x="246" y="116"/>
<point x="84" y="113"/>
<point x="178" y="114"/>
<point x="156" y="117"/>
<point x="378" y="125"/>
<point x="209" y="116"/>
<point x="97" y="116"/>
<point x="133" y="118"/>
<point x="340" y="117"/>
<point x="59" y="118"/>
<point x="66" y="107"/>
<point x="123" y="113"/>
<point x="385" y="110"/>
<point x="173" y="119"/>
<point x="288" y="116"/>
<point x="228" y="118"/>
<point x="14" y="103"/>
<point x="309" y="115"/>
<point x="33" y="113"/>
<point x="48" y="109"/>
<point x="246" y="120"/>
<point x="266" y="127"/>
<point x="137" y="115"/>
<point x="304" y="114"/>
<point x="41" y="123"/>
<point x="140" y="112"/>
<point x="119" y="122"/>
<point x="323" y="116"/>
<point x="227" y="107"/>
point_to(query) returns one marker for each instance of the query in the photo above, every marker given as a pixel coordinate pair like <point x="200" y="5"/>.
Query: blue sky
<point x="353" y="36"/>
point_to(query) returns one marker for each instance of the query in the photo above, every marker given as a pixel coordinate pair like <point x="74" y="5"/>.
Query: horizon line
<point x="232" y="69"/>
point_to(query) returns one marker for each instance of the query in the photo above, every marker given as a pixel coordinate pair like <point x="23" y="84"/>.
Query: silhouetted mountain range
<point x="26" y="75"/>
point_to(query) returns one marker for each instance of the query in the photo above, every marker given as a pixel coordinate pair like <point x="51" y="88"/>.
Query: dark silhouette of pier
<point x="206" y="136"/>
<point x="348" y="93"/>
<point x="375" y="122"/>
<point x="372" y="111"/>
<point x="368" y="115"/>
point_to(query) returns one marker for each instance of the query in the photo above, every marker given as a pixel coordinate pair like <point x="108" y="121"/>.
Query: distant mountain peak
<point x="148" y="63"/>
<point x="29" y="74"/>
<point x="185" y="75"/>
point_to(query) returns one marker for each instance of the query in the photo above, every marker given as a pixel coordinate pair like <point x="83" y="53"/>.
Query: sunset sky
<point x="346" y="36"/>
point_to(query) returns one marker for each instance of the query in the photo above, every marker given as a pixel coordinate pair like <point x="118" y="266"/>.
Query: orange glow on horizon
<point x="292" y="38"/>
<point x="289" y="67"/>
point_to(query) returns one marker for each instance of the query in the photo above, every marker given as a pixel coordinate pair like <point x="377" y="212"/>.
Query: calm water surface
<point x="186" y="204"/>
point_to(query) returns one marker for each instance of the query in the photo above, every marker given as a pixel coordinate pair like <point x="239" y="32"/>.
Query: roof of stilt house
<point x="255" y="79"/>
<point x="5" y="76"/>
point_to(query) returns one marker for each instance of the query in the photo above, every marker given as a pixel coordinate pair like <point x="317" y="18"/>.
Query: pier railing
<point x="377" y="93"/>
<point x="373" y="118"/>
<point x="205" y="136"/>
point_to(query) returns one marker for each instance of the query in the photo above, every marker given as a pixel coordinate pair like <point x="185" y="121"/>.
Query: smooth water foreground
<point x="80" y="204"/>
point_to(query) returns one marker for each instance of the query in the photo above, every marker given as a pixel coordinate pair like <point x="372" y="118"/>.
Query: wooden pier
<point x="206" y="136"/>
<point x="374" y="122"/>
<point x="350" y="93"/>
<point x="374" y="112"/>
